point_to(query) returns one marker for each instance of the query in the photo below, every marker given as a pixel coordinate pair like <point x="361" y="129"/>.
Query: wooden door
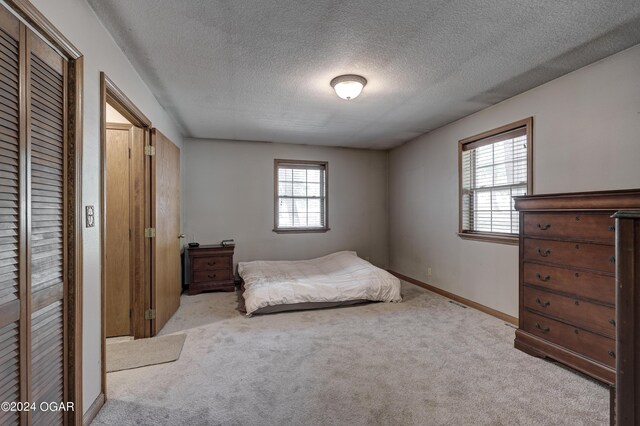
<point x="38" y="224"/>
<point x="12" y="223"/>
<point x="166" y="284"/>
<point x="118" y="283"/>
<point x="33" y="224"/>
<point x="46" y="214"/>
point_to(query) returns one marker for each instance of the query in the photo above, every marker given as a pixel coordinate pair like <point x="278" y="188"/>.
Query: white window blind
<point x="301" y="198"/>
<point x="494" y="170"/>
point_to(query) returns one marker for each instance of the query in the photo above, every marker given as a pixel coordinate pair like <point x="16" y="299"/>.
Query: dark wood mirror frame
<point x="627" y="408"/>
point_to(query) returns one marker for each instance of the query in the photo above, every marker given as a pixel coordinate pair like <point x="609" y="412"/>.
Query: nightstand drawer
<point x="211" y="263"/>
<point x="213" y="275"/>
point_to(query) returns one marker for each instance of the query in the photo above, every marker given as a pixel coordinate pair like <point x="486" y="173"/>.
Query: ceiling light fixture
<point x="348" y="86"/>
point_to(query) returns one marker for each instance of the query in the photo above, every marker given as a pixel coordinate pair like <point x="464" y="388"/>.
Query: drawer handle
<point x="544" y="329"/>
<point x="543" y="304"/>
<point x="612" y="259"/>
<point x="212" y="276"/>
<point x="211" y="263"/>
<point x="543" y="253"/>
<point x="612" y="322"/>
<point x="544" y="227"/>
<point x="612" y="354"/>
<point x="541" y="278"/>
<point x="612" y="228"/>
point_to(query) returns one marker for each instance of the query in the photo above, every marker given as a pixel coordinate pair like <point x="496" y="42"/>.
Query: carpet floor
<point x="424" y="361"/>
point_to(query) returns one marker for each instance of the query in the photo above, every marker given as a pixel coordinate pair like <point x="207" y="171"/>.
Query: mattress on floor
<point x="326" y="281"/>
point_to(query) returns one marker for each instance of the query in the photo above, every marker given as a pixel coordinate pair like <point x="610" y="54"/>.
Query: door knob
<point x="181" y="236"/>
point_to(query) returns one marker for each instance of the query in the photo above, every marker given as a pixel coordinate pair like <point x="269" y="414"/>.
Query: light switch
<point x="90" y="216"/>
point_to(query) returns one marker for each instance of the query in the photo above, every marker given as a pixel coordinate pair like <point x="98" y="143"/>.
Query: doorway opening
<point x="140" y="175"/>
<point x="125" y="214"/>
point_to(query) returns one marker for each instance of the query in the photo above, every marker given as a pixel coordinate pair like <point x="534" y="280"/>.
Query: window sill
<point x="301" y="231"/>
<point x="490" y="238"/>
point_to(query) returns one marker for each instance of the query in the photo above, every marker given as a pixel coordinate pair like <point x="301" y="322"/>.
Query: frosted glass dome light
<point x="348" y="86"/>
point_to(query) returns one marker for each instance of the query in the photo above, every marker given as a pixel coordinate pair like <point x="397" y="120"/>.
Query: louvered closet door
<point x="10" y="255"/>
<point x="32" y="223"/>
<point x="46" y="145"/>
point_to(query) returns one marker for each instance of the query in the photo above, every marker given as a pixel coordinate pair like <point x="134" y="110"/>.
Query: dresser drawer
<point x="591" y="345"/>
<point x="590" y="227"/>
<point x="213" y="275"/>
<point x="586" y="284"/>
<point x="588" y="315"/>
<point x="597" y="257"/>
<point x="211" y="263"/>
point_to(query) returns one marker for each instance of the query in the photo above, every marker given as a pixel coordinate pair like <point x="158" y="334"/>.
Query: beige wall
<point x="229" y="194"/>
<point x="76" y="20"/>
<point x="586" y="137"/>
<point x="113" y="116"/>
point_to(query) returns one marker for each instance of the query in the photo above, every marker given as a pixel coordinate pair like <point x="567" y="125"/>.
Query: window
<point x="301" y="196"/>
<point x="494" y="167"/>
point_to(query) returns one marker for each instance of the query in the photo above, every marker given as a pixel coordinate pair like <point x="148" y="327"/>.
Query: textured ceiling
<point x="260" y="69"/>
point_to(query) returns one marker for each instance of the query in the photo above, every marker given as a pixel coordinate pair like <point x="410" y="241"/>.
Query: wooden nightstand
<point x="210" y="268"/>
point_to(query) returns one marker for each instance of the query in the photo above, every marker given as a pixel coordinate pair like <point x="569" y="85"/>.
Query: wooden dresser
<point x="567" y="278"/>
<point x="210" y="267"/>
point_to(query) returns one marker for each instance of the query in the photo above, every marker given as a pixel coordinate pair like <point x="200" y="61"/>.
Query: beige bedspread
<point x="337" y="277"/>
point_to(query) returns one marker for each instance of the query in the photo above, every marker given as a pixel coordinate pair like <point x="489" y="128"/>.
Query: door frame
<point x="141" y="301"/>
<point x="72" y="344"/>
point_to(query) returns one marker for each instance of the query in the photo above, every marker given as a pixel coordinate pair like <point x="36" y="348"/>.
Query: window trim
<point x="492" y="236"/>
<point x="276" y="164"/>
